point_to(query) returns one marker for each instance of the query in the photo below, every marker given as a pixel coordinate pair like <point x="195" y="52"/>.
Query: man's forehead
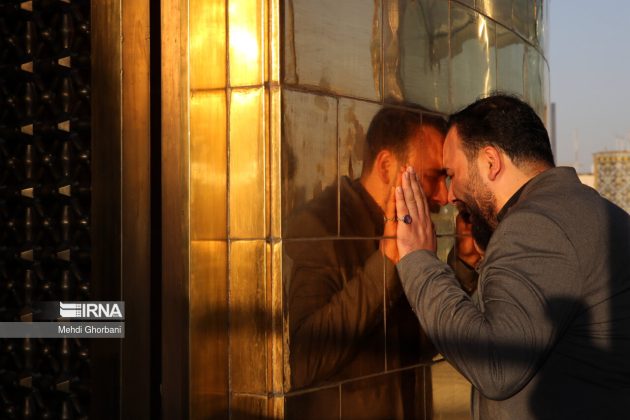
<point x="433" y="132"/>
<point x="425" y="140"/>
<point x="450" y="144"/>
<point x="428" y="134"/>
<point x="452" y="136"/>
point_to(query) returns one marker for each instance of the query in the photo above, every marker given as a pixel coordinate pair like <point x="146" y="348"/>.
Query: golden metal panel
<point x="273" y="42"/>
<point x="535" y="67"/>
<point x="248" y="407"/>
<point x="175" y="206"/>
<point x="510" y="55"/>
<point x="247" y="164"/>
<point x="542" y="36"/>
<point x="524" y="18"/>
<point x="275" y="407"/>
<point x="444" y="220"/>
<point x="246" y="42"/>
<point x="208" y="329"/>
<point x="358" y="397"/>
<point x="208" y="166"/>
<point x="354" y="121"/>
<point x="106" y="223"/>
<point x="136" y="202"/>
<point x="416" y="49"/>
<point x="451" y="392"/>
<point x="248" y="295"/>
<point x="289" y="71"/>
<point x="268" y="160"/>
<point x="208" y="54"/>
<point x="274" y="162"/>
<point x="309" y="149"/>
<point x="473" y="61"/>
<point x="444" y="246"/>
<point x="343" y="58"/>
<point x="325" y="400"/>
<point x="276" y="337"/>
<point x="499" y="10"/>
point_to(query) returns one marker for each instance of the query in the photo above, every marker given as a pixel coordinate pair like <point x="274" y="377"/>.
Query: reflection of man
<point x="466" y="254"/>
<point x="470" y="244"/>
<point x="547" y="334"/>
<point x="338" y="287"/>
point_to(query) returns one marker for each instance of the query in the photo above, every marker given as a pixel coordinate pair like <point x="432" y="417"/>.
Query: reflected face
<point x="467" y="190"/>
<point x="425" y="155"/>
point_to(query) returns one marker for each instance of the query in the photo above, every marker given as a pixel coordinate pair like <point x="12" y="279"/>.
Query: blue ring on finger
<point x="407" y="219"/>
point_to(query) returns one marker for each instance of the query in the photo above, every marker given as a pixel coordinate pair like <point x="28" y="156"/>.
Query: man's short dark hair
<point x="505" y="122"/>
<point x="391" y="129"/>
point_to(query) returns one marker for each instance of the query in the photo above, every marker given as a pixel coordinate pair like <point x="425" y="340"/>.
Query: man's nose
<point x="451" y="194"/>
<point x="441" y="194"/>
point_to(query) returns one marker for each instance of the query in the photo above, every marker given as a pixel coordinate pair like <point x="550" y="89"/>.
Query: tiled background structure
<point x="281" y="95"/>
<point x="612" y="177"/>
<point x="45" y="201"/>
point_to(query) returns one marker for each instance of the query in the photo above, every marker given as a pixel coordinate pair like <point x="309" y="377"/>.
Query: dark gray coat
<point x="548" y="333"/>
<point x="348" y="318"/>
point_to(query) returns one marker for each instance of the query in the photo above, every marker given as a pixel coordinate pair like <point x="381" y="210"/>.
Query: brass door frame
<point x="175" y="213"/>
<point x="121" y="213"/>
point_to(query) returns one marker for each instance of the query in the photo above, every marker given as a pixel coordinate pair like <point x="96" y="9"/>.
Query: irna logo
<point x="90" y="310"/>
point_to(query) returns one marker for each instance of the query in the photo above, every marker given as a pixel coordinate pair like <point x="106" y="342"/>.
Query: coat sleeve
<point x="329" y="315"/>
<point x="527" y="295"/>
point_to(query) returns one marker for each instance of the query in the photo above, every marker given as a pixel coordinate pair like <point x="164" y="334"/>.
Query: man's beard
<point x="479" y="203"/>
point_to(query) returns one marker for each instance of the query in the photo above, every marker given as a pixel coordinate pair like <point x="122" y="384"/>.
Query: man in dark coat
<point x="348" y="318"/>
<point x="547" y="334"/>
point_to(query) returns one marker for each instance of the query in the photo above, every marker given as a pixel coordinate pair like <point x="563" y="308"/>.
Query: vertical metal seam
<point x="187" y="99"/>
<point x="338" y="145"/>
<point x="267" y="247"/>
<point x="228" y="100"/>
<point x="121" y="195"/>
<point x="229" y="253"/>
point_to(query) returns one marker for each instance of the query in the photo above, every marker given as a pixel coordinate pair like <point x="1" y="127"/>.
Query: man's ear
<point x="384" y="166"/>
<point x="491" y="162"/>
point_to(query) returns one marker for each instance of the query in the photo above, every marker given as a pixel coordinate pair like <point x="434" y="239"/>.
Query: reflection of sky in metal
<point x="483" y="37"/>
<point x="473" y="58"/>
<point x="343" y="58"/>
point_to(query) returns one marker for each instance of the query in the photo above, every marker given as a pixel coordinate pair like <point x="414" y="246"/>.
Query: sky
<point x="589" y="60"/>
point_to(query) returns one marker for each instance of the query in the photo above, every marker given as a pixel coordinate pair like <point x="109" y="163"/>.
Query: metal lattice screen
<point x="44" y="199"/>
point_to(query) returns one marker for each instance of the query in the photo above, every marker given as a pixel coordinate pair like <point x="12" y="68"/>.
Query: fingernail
<point x="407" y="175"/>
<point x="399" y="190"/>
<point x="417" y="178"/>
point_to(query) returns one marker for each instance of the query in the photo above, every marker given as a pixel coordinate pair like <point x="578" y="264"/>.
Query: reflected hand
<point x="410" y="200"/>
<point x="388" y="246"/>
